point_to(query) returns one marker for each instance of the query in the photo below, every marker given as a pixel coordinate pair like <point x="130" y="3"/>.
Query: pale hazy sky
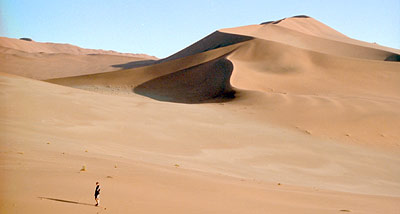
<point x="162" y="28"/>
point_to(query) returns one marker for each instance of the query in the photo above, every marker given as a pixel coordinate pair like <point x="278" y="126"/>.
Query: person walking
<point x="97" y="193"/>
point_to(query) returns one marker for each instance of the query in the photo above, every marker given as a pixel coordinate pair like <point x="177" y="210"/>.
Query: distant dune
<point x="51" y="60"/>
<point x="48" y="47"/>
<point x="288" y="116"/>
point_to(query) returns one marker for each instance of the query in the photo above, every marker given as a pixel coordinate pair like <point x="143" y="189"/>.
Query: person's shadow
<point x="66" y="201"/>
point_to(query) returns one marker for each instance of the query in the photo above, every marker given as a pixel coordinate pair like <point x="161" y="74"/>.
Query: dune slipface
<point x="207" y="81"/>
<point x="311" y="125"/>
<point x="213" y="41"/>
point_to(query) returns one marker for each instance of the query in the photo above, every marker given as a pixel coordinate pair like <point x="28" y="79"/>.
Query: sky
<point x="161" y="28"/>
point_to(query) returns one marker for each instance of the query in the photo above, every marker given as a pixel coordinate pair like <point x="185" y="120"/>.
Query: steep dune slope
<point x="213" y="41"/>
<point x="195" y="84"/>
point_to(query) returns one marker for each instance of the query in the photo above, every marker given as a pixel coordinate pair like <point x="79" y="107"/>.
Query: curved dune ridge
<point x="194" y="84"/>
<point x="290" y="47"/>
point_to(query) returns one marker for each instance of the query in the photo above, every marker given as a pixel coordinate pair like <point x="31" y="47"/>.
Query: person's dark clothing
<point x="97" y="191"/>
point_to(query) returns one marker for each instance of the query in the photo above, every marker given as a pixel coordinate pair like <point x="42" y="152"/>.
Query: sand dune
<point x="313" y="27"/>
<point x="289" y="116"/>
<point x="333" y="45"/>
<point x="48" y="47"/>
<point x="270" y="51"/>
<point x="310" y="26"/>
<point x="50" y="60"/>
<point x="193" y="84"/>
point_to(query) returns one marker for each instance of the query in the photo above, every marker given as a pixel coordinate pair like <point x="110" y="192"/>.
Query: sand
<point x="247" y="120"/>
<point x="42" y="61"/>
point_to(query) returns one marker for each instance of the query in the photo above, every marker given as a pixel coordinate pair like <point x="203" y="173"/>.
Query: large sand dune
<point x="290" y="102"/>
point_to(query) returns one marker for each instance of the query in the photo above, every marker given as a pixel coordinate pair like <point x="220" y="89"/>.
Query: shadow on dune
<point x="277" y="22"/>
<point x="210" y="42"/>
<point x="265" y="23"/>
<point x="393" y="58"/>
<point x="213" y="41"/>
<point x="301" y="16"/>
<point x="135" y="64"/>
<point x="66" y="201"/>
<point x="204" y="83"/>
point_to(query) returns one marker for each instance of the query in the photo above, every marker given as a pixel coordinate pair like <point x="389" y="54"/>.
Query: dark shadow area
<point x="210" y="42"/>
<point x="393" y="58"/>
<point x="135" y="64"/>
<point x="66" y="201"/>
<point x="26" y="39"/>
<point x="205" y="83"/>
<point x="265" y="23"/>
<point x="301" y="16"/>
<point x="276" y="22"/>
